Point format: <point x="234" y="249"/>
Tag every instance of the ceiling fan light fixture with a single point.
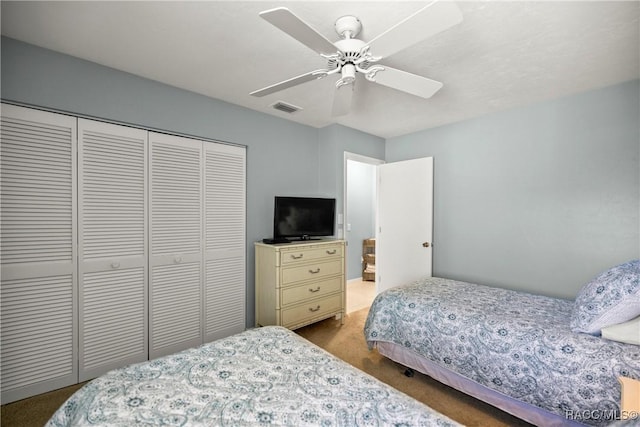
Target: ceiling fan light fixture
<point x="348" y="73"/>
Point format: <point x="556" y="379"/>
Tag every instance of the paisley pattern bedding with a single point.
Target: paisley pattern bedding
<point x="264" y="376"/>
<point x="516" y="343"/>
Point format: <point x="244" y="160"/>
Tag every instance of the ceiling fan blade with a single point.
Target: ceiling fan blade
<point x="294" y="81"/>
<point x="286" y="21"/>
<point x="342" y="100"/>
<point x="406" y="82"/>
<point x="437" y="16"/>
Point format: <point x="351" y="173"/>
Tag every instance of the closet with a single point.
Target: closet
<point x="118" y="245"/>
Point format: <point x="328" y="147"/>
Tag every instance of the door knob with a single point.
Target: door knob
<point x="425" y="244"/>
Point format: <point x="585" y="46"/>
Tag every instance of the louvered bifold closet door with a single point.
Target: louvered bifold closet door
<point x="176" y="244"/>
<point x="112" y="246"/>
<point x="38" y="252"/>
<point x="225" y="237"/>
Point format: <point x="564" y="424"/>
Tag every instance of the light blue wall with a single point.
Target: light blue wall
<point x="540" y="198"/>
<point x="282" y="156"/>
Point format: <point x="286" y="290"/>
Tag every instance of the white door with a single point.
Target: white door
<point x="175" y="262"/>
<point x="224" y="240"/>
<point x="404" y="222"/>
<point x="112" y="248"/>
<point x="37" y="240"/>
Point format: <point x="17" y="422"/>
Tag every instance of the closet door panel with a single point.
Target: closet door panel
<point x="38" y="264"/>
<point x="175" y="195"/>
<point x="176" y="244"/>
<point x="176" y="305"/>
<point x="225" y="240"/>
<point x="225" y="298"/>
<point x="112" y="247"/>
<point x="114" y="321"/>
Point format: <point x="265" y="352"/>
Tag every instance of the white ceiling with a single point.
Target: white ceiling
<point x="503" y="55"/>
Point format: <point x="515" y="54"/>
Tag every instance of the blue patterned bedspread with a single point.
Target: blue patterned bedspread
<point x="515" y="343"/>
<point x="264" y="376"/>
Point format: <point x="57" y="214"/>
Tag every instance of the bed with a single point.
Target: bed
<point x="517" y="351"/>
<point x="263" y="376"/>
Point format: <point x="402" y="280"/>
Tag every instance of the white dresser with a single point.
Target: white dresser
<point x="299" y="283"/>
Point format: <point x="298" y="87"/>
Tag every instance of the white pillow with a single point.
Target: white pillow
<point x="628" y="332"/>
<point x="611" y="298"/>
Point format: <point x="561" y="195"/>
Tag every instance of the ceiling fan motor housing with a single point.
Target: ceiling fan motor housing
<point x="351" y="53"/>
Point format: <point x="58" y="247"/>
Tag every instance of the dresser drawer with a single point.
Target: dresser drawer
<point x="300" y="255"/>
<point x="312" y="271"/>
<point x="297" y="294"/>
<point x="311" y="309"/>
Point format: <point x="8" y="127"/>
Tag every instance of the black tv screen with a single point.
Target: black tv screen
<point x="303" y="217"/>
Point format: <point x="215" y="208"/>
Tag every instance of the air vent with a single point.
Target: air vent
<point x="287" y="108"/>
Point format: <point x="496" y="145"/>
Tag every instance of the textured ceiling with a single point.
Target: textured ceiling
<point x="503" y="54"/>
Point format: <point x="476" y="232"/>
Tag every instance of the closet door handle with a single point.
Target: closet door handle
<point x="314" y="309"/>
<point x="314" y="290"/>
<point x="317" y="270"/>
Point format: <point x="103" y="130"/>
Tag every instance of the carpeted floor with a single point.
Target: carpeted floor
<point x="348" y="343"/>
<point x="360" y="294"/>
<point x="345" y="341"/>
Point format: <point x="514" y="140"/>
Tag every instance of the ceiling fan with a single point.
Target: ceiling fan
<point x="350" y="56"/>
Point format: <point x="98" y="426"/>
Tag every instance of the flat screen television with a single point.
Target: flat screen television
<point x="303" y="218"/>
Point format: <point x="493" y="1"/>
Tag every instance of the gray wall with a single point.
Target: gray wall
<point x="282" y="156"/>
<point x="334" y="140"/>
<point x="360" y="212"/>
<point x="540" y="198"/>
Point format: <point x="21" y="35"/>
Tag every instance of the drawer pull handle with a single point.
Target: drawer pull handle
<point x="297" y="256"/>
<point x="332" y="252"/>
<point x="177" y="260"/>
<point x="115" y="265"/>
<point x="314" y="290"/>
<point x="314" y="309"/>
<point x="317" y="270"/>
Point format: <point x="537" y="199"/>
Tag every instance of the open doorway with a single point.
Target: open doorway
<point x="359" y="225"/>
